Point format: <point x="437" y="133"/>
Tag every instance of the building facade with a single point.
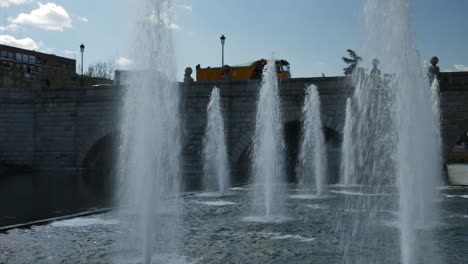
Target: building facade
<point x="21" y="68"/>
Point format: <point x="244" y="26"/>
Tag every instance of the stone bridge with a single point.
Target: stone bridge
<point x="57" y="146"/>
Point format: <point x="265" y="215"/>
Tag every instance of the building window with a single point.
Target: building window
<point x="25" y="58"/>
<point x="11" y="55"/>
<point x="32" y="59"/>
<point x="19" y="56"/>
<point x="4" y="54"/>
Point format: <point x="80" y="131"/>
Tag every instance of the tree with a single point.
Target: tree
<point x="351" y="62"/>
<point x="101" y="69"/>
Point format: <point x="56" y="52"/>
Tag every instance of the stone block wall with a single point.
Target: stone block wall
<point x="17" y="126"/>
<point x="454" y="107"/>
<point x="239" y="110"/>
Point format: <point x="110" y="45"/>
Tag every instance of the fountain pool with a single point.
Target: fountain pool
<point x="216" y="233"/>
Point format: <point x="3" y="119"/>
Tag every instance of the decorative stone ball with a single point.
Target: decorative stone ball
<point x="375" y="62"/>
<point x="226" y="68"/>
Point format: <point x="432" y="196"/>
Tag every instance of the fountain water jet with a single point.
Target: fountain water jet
<point x="268" y="150"/>
<point x="313" y="146"/>
<point x="436" y="100"/>
<point x="397" y="140"/>
<point x="418" y="149"/>
<point x="347" y="153"/>
<point x="215" y="161"/>
<point x="150" y="153"/>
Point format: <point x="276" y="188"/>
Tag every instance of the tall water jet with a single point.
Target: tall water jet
<point x="418" y="149"/>
<point x="435" y="92"/>
<point x="397" y="140"/>
<point x="436" y="101"/>
<point x="347" y="149"/>
<point x="268" y="150"/>
<point x="215" y="161"/>
<point x="150" y="156"/>
<point x="313" y="153"/>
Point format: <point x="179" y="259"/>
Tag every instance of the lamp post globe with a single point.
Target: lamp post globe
<point x="223" y="39"/>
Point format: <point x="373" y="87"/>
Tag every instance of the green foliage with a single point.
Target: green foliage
<point x="352" y="62"/>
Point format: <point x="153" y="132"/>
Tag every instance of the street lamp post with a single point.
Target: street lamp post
<point x="82" y="47"/>
<point x="223" y="39"/>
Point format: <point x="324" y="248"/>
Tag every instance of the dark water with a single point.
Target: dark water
<point x="26" y="197"/>
<point x="218" y="233"/>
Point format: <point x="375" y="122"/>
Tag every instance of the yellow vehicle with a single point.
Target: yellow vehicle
<point x="248" y="71"/>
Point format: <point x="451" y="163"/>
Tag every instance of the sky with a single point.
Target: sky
<point x="312" y="35"/>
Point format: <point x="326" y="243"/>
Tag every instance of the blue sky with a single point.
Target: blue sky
<point x="312" y="35"/>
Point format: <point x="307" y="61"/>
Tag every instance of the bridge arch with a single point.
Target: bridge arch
<point x="329" y="122"/>
<point x="292" y="125"/>
<point x="89" y="140"/>
<point x="99" y="170"/>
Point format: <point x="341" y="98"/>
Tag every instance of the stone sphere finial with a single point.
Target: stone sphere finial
<point x="433" y="70"/>
<point x="375" y="62"/>
<point x="187" y="77"/>
<point x="225" y="75"/>
<point x="226" y="68"/>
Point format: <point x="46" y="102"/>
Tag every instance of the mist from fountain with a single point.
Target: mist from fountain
<point x="397" y="142"/>
<point x="347" y="149"/>
<point x="268" y="151"/>
<point x="312" y="162"/>
<point x="215" y="160"/>
<point x="150" y="151"/>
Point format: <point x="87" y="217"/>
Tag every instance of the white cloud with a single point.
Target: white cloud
<point x="69" y="52"/>
<point x="173" y="26"/>
<point x="9" y="28"/>
<point x="460" y="67"/>
<point x="187" y="7"/>
<point x="7" y="3"/>
<point x="83" y="19"/>
<point x="24" y="43"/>
<point x="123" y="62"/>
<point x="48" y="16"/>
